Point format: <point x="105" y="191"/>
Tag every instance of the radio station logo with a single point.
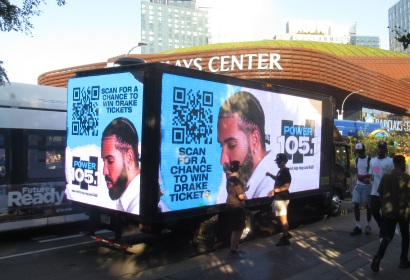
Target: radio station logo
<point x="85" y="173"/>
<point x="298" y="141"/>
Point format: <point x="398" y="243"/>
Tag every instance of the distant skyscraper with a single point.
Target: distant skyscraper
<point x="399" y="16"/>
<point x="228" y="21"/>
<point x="325" y="31"/>
<point x="167" y="24"/>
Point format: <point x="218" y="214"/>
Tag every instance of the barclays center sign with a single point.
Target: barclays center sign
<point x="225" y="63"/>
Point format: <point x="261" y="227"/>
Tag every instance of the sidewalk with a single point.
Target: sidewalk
<point x="323" y="250"/>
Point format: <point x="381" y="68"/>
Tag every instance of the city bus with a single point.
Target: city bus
<point x="32" y="157"/>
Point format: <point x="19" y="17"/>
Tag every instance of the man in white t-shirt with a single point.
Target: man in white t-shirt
<point x="378" y="166"/>
<point x="362" y="190"/>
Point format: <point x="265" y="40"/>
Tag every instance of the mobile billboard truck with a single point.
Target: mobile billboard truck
<point x="151" y="143"/>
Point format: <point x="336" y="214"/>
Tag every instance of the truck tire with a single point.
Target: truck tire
<point x="249" y="225"/>
<point x="224" y="232"/>
<point x="335" y="203"/>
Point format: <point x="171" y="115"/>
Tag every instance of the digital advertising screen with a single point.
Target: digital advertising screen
<point x="104" y="121"/>
<point x="205" y="125"/>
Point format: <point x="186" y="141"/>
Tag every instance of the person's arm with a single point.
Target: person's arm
<point x="371" y="171"/>
<point x="271" y="175"/>
<point x="362" y="178"/>
<point x="283" y="188"/>
<point x="239" y="190"/>
<point x="242" y="196"/>
<point x="380" y="190"/>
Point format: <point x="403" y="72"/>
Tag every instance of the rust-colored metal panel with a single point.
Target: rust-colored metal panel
<point x="384" y="80"/>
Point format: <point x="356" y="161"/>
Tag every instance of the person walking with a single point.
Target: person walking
<point x="378" y="166"/>
<point x="394" y="190"/>
<point x="281" y="196"/>
<point x="362" y="190"/>
<point x="235" y="208"/>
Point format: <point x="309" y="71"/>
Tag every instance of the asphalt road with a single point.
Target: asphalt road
<point x="62" y="253"/>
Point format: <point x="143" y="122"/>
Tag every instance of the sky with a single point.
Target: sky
<point x="85" y="31"/>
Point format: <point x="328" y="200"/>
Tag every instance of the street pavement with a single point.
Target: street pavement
<point x="323" y="250"/>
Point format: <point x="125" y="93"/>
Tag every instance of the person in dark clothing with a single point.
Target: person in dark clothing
<point x="394" y="190"/>
<point x="281" y="196"/>
<point x="235" y="207"/>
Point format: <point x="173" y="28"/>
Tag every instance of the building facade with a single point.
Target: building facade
<point x="325" y="31"/>
<point x="399" y="16"/>
<point x="167" y="25"/>
<point x="367" y="41"/>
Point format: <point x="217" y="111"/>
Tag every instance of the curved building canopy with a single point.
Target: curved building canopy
<point x="326" y="68"/>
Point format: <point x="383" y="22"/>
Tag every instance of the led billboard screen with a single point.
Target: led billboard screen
<point x="104" y="120"/>
<point x="205" y="125"/>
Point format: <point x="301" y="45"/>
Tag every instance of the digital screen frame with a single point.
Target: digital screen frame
<point x="205" y="125"/>
<point x="104" y="130"/>
<point x="161" y="147"/>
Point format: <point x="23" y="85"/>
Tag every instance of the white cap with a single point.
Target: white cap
<point x="359" y="146"/>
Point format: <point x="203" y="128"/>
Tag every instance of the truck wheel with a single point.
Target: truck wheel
<point x="249" y="224"/>
<point x="335" y="203"/>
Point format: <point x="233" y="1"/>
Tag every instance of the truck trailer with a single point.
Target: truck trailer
<point x="150" y="144"/>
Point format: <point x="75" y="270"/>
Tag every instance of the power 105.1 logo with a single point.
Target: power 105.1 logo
<point x="85" y="173"/>
<point x="298" y="141"/>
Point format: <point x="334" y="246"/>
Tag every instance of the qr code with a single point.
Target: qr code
<point x="192" y="116"/>
<point x="85" y="111"/>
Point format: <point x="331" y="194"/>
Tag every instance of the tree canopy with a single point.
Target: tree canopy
<point x="17" y="18"/>
<point x="402" y="35"/>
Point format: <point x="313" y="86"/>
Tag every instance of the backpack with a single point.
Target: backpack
<point x="368" y="162"/>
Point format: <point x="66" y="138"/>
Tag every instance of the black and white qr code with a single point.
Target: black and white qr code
<point x="192" y="116"/>
<point x="85" y="111"/>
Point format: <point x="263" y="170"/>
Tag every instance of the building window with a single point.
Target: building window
<point x="151" y="7"/>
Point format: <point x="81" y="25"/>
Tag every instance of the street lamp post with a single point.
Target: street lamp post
<point x="130" y="60"/>
<point x="340" y="116"/>
<point x="139" y="45"/>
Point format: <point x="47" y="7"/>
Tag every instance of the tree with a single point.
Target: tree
<point x="402" y="35"/>
<point x="15" y="18"/>
<point x="3" y="75"/>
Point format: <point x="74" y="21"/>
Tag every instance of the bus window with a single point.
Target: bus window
<point x="46" y="156"/>
<point x="2" y="158"/>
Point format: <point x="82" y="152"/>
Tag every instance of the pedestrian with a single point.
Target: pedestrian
<point x="394" y="190"/>
<point x="362" y="190"/>
<point x="281" y="197"/>
<point x="235" y="208"/>
<point x="378" y="166"/>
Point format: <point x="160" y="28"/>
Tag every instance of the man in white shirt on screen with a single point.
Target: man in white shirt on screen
<point x="119" y="151"/>
<point x="241" y="133"/>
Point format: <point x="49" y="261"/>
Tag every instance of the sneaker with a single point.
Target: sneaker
<point x="404" y="264"/>
<point x="367" y="230"/>
<point x="235" y="255"/>
<point x="240" y="251"/>
<point x="284" y="241"/>
<point x="376" y="263"/>
<point x="356" y="231"/>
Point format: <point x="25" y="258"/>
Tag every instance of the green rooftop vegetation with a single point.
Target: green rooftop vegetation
<point x="333" y="48"/>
